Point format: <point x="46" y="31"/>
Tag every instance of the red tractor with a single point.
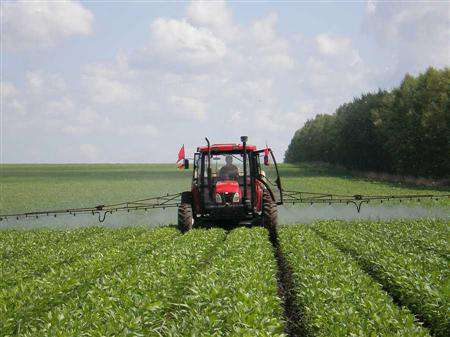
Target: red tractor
<point x="229" y="187"/>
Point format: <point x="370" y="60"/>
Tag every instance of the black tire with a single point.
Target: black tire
<point x="270" y="213"/>
<point x="186" y="197"/>
<point x="185" y="218"/>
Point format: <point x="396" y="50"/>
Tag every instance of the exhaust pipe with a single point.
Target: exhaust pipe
<point x="244" y="145"/>
<point x="209" y="172"/>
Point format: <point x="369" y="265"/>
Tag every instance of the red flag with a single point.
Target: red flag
<point x="266" y="151"/>
<point x="181" y="156"/>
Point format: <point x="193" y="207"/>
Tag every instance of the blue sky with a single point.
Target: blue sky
<point x="132" y="81"/>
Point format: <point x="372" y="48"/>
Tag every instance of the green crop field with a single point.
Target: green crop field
<point x="325" y="278"/>
<point x="349" y="279"/>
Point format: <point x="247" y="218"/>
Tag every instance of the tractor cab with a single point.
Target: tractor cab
<point x="231" y="185"/>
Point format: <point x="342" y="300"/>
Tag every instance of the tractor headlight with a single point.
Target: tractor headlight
<point x="236" y="197"/>
<point x="218" y="198"/>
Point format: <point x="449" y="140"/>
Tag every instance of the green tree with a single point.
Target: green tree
<point x="404" y="131"/>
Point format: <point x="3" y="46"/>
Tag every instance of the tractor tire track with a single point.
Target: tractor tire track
<point x="292" y="311"/>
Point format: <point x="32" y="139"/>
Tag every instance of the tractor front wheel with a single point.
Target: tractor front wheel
<point x="185" y="218"/>
<point x="270" y="214"/>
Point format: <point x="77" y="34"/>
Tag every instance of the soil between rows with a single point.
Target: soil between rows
<point x="292" y="312"/>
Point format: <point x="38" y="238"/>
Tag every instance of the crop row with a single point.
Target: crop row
<point x="414" y="276"/>
<point x="135" y="281"/>
<point x="50" y="256"/>
<point x="155" y="283"/>
<point x="422" y="236"/>
<point x="400" y="238"/>
<point x="336" y="297"/>
<point x="25" y="304"/>
<point x="134" y="299"/>
<point x="19" y="244"/>
<point x="235" y="295"/>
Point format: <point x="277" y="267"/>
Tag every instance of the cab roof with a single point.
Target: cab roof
<point x="226" y="147"/>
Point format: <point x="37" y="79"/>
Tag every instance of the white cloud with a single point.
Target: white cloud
<point x="337" y="47"/>
<point x="43" y="94"/>
<point x="263" y="30"/>
<point x="86" y="121"/>
<point x="108" y="91"/>
<point x="335" y="71"/>
<point x="61" y="106"/>
<point x="248" y="92"/>
<point x="189" y="107"/>
<point x="50" y="106"/>
<point x="337" y="80"/>
<point x="214" y="15"/>
<point x="272" y="50"/>
<point x="107" y="84"/>
<point x="280" y="61"/>
<point x="329" y="45"/>
<point x="38" y="24"/>
<point x="43" y="83"/>
<point x="182" y="41"/>
<point x="371" y="6"/>
<point x="415" y="35"/>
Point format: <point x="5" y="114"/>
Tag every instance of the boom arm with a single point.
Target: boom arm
<point x="168" y="200"/>
<point x="300" y="197"/>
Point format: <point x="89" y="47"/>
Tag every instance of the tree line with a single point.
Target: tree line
<point x="403" y="131"/>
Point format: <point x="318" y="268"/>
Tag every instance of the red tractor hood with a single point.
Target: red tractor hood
<point x="228" y="186"/>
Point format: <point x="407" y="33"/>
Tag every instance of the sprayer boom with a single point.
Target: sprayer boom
<point x="299" y="197"/>
<point x="168" y="200"/>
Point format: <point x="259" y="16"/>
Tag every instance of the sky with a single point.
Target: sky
<point x="99" y="81"/>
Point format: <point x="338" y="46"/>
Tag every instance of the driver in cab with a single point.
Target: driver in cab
<point x="229" y="171"/>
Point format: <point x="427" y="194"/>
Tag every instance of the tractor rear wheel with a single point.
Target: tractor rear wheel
<point x="185" y="218"/>
<point x="270" y="214"/>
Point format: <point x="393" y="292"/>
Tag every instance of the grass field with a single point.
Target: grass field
<point x="327" y="278"/>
